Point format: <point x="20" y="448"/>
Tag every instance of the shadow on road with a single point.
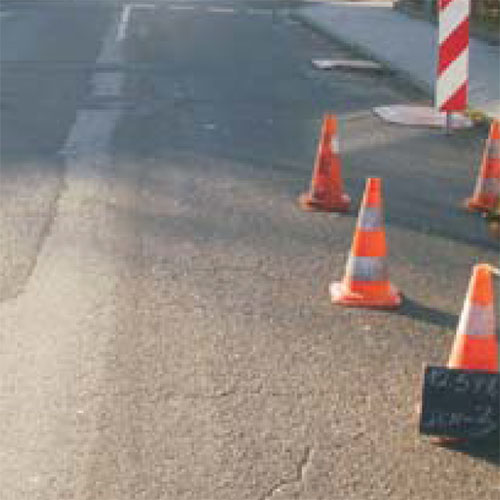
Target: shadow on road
<point x="487" y="450"/>
<point x="418" y="311"/>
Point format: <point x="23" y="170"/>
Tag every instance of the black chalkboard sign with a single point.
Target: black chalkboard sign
<point x="460" y="403"/>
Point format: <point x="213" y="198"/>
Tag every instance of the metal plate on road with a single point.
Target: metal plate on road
<point x="421" y="116"/>
<point x="346" y="64"/>
<point x="460" y="403"/>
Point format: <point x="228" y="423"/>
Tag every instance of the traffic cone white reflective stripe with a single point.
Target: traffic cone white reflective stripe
<point x="477" y="320"/>
<point x="488" y="185"/>
<point x="335" y="143"/>
<point x="370" y="218"/>
<point x="493" y="149"/>
<point x="367" y="268"/>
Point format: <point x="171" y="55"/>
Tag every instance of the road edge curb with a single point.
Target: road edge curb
<point x="297" y="14"/>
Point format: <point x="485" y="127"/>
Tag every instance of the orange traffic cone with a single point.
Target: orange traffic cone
<point x="366" y="282"/>
<point x="326" y="191"/>
<point x="476" y="343"/>
<point x="486" y="194"/>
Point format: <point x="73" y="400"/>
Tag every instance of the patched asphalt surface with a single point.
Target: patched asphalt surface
<point x="167" y="331"/>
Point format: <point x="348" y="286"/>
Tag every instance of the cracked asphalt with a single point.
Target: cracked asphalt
<point x="165" y="326"/>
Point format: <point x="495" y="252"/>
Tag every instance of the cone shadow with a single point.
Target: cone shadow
<point x="420" y="312"/>
<point x="485" y="449"/>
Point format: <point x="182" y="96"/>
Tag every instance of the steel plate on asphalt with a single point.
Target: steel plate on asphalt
<point x="345" y="64"/>
<point x="421" y="116"/>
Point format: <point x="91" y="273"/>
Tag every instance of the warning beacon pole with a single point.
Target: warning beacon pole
<point x="453" y="58"/>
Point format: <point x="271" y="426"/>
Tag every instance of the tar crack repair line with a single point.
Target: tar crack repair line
<point x="300" y="473"/>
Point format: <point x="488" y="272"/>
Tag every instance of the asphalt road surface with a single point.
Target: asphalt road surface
<point x="165" y="326"/>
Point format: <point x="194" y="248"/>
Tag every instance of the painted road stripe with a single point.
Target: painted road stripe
<point x="5" y="15"/>
<point x="260" y="12"/>
<point x="92" y="131"/>
<point x="365" y="4"/>
<point x="107" y="84"/>
<point x="110" y="83"/>
<point x="221" y="10"/>
<point x="181" y="7"/>
<point x="90" y="136"/>
<point x="125" y="18"/>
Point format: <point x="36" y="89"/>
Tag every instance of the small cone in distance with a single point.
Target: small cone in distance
<point x="486" y="194"/>
<point x="476" y="344"/>
<point x="326" y="191"/>
<point x="366" y="282"/>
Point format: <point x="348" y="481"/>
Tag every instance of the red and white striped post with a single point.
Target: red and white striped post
<point x="453" y="58"/>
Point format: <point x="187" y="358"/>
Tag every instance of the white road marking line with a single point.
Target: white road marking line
<point x="181" y="7"/>
<point x="125" y="18"/>
<point x="259" y="12"/>
<point x="92" y="131"/>
<point x="89" y="139"/>
<point x="367" y="4"/>
<point x="111" y="51"/>
<point x="221" y="10"/>
<point x="107" y="84"/>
